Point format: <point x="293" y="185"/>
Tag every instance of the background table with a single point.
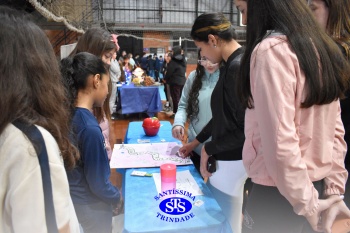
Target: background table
<point x="139" y="192"/>
<point x="140" y="99"/>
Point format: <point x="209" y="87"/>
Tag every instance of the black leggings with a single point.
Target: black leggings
<point x="267" y="211"/>
<point x="175" y="92"/>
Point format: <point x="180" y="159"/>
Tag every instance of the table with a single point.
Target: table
<point x="135" y="131"/>
<point x="141" y="207"/>
<point x="140" y="99"/>
<point x="142" y="213"/>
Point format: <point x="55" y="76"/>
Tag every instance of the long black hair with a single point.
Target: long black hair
<point x="338" y="24"/>
<point x="76" y="70"/>
<point x="192" y="108"/>
<point x="313" y="48"/>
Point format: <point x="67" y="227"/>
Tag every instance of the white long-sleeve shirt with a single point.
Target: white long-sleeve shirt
<point x="21" y="194"/>
<point x="115" y="71"/>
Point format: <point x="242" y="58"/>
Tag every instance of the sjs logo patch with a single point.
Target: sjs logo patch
<point x="175" y="206"/>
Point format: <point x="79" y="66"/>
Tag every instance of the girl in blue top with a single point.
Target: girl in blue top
<point x="194" y="106"/>
<point x="86" y="78"/>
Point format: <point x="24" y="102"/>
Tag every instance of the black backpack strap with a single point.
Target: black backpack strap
<point x="36" y="138"/>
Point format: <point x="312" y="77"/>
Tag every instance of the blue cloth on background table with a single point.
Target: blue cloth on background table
<point x="140" y="99"/>
<point x="141" y="207"/>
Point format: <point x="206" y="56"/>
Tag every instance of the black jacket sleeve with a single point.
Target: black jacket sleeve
<point x="205" y="132"/>
<point x="233" y="120"/>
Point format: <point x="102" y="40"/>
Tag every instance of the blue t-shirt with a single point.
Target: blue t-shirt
<point x="89" y="180"/>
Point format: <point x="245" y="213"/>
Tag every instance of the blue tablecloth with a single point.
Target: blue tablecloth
<point x="141" y="208"/>
<point x="135" y="131"/>
<point x="140" y="99"/>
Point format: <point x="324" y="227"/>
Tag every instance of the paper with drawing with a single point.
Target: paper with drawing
<point x="146" y="155"/>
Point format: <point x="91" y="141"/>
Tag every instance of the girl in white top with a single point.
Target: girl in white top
<point x="32" y="92"/>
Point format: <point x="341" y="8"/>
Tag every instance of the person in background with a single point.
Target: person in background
<point x="115" y="74"/>
<point x="32" y="93"/>
<point x="86" y="78"/>
<point x="334" y="18"/>
<point x="169" y="102"/>
<point x="156" y="67"/>
<point x="151" y="66"/>
<point x="137" y="60"/>
<point x="160" y="67"/>
<point x="127" y="68"/>
<point x="194" y="106"/>
<point x="122" y="55"/>
<point x="131" y="61"/>
<point x="144" y="62"/>
<point x="214" y="35"/>
<point x="102" y="44"/>
<point x="291" y="78"/>
<point x="175" y="76"/>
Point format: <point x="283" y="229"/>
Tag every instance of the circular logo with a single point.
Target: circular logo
<point x="175" y="206"/>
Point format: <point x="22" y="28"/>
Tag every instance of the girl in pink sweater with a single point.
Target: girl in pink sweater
<point x="292" y="76"/>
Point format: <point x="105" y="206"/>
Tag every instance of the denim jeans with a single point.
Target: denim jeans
<point x="151" y="73"/>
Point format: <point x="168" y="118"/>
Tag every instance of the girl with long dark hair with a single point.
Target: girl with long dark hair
<point x="334" y="17"/>
<point x="291" y="78"/>
<point x="214" y="35"/>
<point x="86" y="78"/>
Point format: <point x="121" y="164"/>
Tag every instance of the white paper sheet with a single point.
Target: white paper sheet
<point x="146" y="155"/>
<point x="184" y="181"/>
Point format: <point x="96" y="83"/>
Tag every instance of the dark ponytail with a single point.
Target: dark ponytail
<point x="192" y="108"/>
<point x="76" y="71"/>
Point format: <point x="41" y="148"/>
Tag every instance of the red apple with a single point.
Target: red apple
<point x="151" y="126"/>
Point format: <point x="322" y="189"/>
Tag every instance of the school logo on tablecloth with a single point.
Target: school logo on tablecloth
<point x="175" y="205"/>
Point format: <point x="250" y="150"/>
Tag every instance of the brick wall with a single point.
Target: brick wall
<point x="157" y="44"/>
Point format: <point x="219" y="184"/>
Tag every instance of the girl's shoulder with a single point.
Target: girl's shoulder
<point x="192" y="75"/>
<point x="274" y="43"/>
